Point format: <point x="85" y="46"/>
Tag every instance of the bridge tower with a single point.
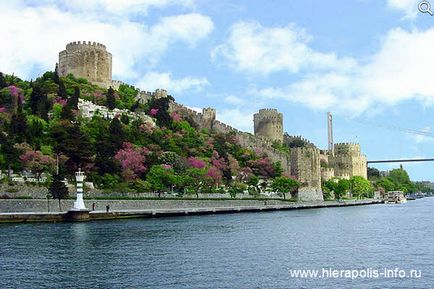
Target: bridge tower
<point x="330" y="133"/>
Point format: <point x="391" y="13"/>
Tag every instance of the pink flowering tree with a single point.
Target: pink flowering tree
<point x="147" y="127"/>
<point x="217" y="161"/>
<point x="16" y="93"/>
<point x="196" y="163"/>
<point x="10" y="97"/>
<point x="176" y="117"/>
<point x="153" y="112"/>
<point x="132" y="161"/>
<point x="37" y="163"/>
<point x="99" y="98"/>
<point x="61" y="101"/>
<point x="215" y="176"/>
<point x="233" y="165"/>
<point x="263" y="167"/>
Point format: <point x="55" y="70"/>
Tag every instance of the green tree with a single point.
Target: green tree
<point x="58" y="189"/>
<point x="285" y="185"/>
<point x="7" y="100"/>
<point x="125" y="119"/>
<point x="61" y="92"/>
<point x="66" y="113"/>
<point x="236" y="188"/>
<point x="116" y="134"/>
<point x="111" y="100"/>
<point x="72" y="142"/>
<point x="386" y="184"/>
<point x="360" y="187"/>
<point x="56" y="77"/>
<point x="161" y="179"/>
<point x="3" y="83"/>
<point x="159" y="108"/>
<point x="73" y="101"/>
<point x="328" y="187"/>
<point x="10" y="154"/>
<point x="253" y="185"/>
<point x="373" y="173"/>
<point x="127" y="95"/>
<point x="38" y="163"/>
<point x="38" y="102"/>
<point x="399" y="176"/>
<point x="18" y="127"/>
<point x="194" y="180"/>
<point x="342" y="187"/>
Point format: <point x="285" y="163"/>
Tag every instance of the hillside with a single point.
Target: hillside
<point x="40" y="121"/>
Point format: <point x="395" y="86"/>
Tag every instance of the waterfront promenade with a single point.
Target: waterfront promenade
<point x="218" y="208"/>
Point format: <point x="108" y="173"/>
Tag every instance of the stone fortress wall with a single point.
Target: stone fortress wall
<point x="269" y="123"/>
<point x="297" y="139"/>
<point x="302" y="163"/>
<point x="92" y="61"/>
<point x="305" y="165"/>
<point x="305" y="159"/>
<point x="348" y="161"/>
<point x="207" y="120"/>
<point x="88" y="60"/>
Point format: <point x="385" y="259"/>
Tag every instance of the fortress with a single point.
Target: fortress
<point x="88" y="60"/>
<point x="268" y="123"/>
<point x="305" y="161"/>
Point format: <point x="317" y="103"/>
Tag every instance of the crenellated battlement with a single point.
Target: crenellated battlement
<point x="288" y="139"/>
<point x="269" y="114"/>
<point x="268" y="122"/>
<point x="347" y="148"/>
<point x="89" y="60"/>
<point x="81" y="44"/>
<point x="348" y="160"/>
<point x="347" y="144"/>
<point x="304" y="150"/>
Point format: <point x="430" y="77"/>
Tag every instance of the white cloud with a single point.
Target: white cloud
<point x="253" y="48"/>
<point x="154" y="80"/>
<point x="196" y="109"/>
<point x="409" y="7"/>
<point x="400" y="70"/>
<point x="240" y="119"/>
<point x="114" y="7"/>
<point x="234" y="100"/>
<point x="32" y="36"/>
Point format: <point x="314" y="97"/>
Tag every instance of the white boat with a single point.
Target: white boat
<point x="396" y="197"/>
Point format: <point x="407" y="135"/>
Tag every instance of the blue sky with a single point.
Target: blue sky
<point x="369" y="62"/>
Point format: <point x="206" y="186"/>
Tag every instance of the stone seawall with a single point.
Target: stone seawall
<point x="40" y="192"/>
<point x="13" y="205"/>
<point x="168" y="212"/>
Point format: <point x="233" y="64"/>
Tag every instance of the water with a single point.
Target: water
<point x="251" y="250"/>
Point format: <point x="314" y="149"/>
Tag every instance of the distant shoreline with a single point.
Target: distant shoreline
<point x="190" y="208"/>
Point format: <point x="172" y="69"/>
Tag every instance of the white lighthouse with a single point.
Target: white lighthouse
<point x="79" y="203"/>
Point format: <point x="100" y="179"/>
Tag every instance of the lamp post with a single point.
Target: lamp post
<point x="79" y="203"/>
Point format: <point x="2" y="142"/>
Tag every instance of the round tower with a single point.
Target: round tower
<point x="269" y="123"/>
<point x="347" y="149"/>
<point x="88" y="60"/>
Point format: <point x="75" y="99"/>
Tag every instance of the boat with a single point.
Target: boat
<point x="396" y="197"/>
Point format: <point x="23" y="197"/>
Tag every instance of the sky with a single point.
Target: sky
<point x="369" y="62"/>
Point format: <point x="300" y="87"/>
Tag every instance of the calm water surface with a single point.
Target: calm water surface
<point x="252" y="250"/>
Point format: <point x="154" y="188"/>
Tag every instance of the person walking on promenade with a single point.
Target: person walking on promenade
<point x="107" y="208"/>
<point x="93" y="206"/>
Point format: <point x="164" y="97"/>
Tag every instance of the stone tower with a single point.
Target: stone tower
<point x="269" y="123"/>
<point x="348" y="160"/>
<point x="88" y="60"/>
<point x="208" y="117"/>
